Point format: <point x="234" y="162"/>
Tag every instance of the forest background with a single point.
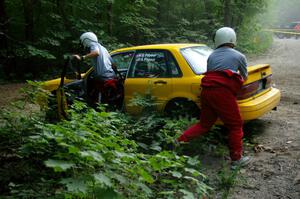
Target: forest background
<point x="35" y="34"/>
<point x="112" y="154"/>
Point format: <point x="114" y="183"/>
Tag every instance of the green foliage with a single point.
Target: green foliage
<point x="95" y="153"/>
<point x="34" y="93"/>
<point x="252" y="39"/>
<point x="38" y="33"/>
<point x="227" y="179"/>
<point x="30" y="51"/>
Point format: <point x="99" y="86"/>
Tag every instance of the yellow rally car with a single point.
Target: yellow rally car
<point x="172" y="74"/>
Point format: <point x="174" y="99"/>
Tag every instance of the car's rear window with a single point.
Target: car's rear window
<point x="197" y="57"/>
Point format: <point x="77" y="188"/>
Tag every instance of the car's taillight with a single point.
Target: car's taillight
<point x="268" y="81"/>
<point x="248" y="90"/>
<point x="254" y="88"/>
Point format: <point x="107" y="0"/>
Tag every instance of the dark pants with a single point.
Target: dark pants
<point x="98" y="86"/>
<point x="219" y="103"/>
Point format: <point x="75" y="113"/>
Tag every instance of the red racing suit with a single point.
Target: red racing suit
<point x="218" y="100"/>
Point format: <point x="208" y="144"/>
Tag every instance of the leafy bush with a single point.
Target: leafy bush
<point x="95" y="153"/>
<point x="253" y="39"/>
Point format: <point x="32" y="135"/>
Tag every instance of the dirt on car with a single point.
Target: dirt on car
<point x="275" y="169"/>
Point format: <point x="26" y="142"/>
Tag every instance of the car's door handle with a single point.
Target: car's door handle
<point x="160" y="82"/>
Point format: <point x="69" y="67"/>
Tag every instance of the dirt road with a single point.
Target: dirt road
<point x="275" y="171"/>
<point x="9" y="93"/>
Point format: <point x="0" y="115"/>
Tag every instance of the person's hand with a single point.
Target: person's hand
<point x="77" y="57"/>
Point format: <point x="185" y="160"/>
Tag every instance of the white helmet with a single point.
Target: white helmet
<point x="225" y="35"/>
<point x="87" y="38"/>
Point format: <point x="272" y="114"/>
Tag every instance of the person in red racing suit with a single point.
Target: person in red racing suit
<point x="218" y="97"/>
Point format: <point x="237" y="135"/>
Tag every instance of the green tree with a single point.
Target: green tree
<point x="35" y="34"/>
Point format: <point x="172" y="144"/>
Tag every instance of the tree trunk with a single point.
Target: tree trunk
<point x="183" y="9"/>
<point x="110" y="18"/>
<point x="209" y="15"/>
<point x="28" y="8"/>
<point x="58" y="4"/>
<point x="227" y="13"/>
<point x="158" y="15"/>
<point x="168" y="11"/>
<point x="3" y="26"/>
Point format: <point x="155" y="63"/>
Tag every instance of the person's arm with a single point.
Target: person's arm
<point x="94" y="53"/>
<point x="243" y="68"/>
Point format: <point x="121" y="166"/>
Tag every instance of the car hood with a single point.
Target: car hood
<point x="53" y="84"/>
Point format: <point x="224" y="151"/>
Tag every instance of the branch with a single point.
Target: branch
<point x="12" y="39"/>
<point x="6" y="22"/>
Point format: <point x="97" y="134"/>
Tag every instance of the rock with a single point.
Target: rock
<point x="269" y="149"/>
<point x="297" y="179"/>
<point x="258" y="148"/>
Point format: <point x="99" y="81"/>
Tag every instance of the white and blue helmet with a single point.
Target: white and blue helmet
<point x="87" y="38"/>
<point x="225" y="35"/>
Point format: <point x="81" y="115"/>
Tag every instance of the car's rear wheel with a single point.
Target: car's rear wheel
<point x="182" y="108"/>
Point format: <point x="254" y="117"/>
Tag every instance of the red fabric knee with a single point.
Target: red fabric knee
<point x="207" y="118"/>
<point x="228" y="111"/>
<point x="235" y="143"/>
<point x="194" y="131"/>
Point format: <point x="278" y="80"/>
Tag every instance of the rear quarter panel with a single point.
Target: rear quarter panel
<point x="187" y="86"/>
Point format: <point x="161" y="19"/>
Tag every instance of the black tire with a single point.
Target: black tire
<point x="182" y="108"/>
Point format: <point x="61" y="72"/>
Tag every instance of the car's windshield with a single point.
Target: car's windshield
<point x="196" y="57"/>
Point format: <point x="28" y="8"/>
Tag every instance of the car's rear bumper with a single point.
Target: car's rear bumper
<point x="258" y="106"/>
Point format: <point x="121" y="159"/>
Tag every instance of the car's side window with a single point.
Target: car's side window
<point x="174" y="70"/>
<point x="123" y="60"/>
<point x="151" y="64"/>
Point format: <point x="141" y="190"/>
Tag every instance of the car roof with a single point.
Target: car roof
<point x="159" y="46"/>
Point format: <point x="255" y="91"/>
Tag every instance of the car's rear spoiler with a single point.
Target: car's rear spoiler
<point x="258" y="67"/>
